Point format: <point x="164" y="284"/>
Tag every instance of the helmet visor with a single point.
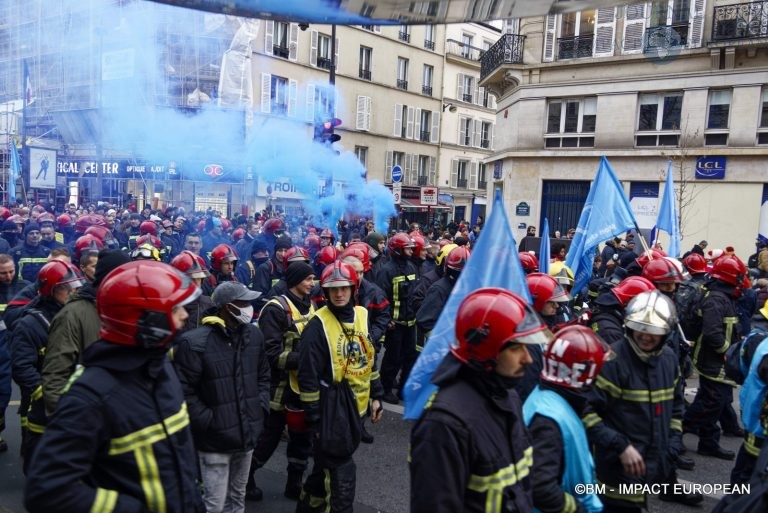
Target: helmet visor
<point x="531" y="330"/>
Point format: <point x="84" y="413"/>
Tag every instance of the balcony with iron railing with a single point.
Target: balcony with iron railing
<point x="426" y="90"/>
<point x="576" y="47"/>
<point x="402" y="84"/>
<point x="404" y="36"/>
<point x="429" y="44"/>
<point x="461" y="183"/>
<point x="482" y="185"/>
<point x="463" y="50"/>
<point x="425" y="135"/>
<point x="660" y="38"/>
<point x="740" y="21"/>
<point x="365" y="74"/>
<point x="280" y="51"/>
<point x="324" y="62"/>
<point x="507" y="50"/>
<point x="423" y="180"/>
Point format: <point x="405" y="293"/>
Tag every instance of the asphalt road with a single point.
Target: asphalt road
<point x="383" y="482"/>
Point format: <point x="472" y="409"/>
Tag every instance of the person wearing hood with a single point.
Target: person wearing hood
<point x="257" y="255"/>
<point x="282" y="320"/>
<point x="636" y="409"/>
<point x="9" y="237"/>
<point x="30" y="256"/>
<point x="215" y="235"/>
<point x="56" y="282"/>
<point x="271" y="271"/>
<point x="561" y="453"/>
<point x="97" y="452"/>
<point x="73" y="329"/>
<point x="376" y="243"/>
<point x="470" y="448"/>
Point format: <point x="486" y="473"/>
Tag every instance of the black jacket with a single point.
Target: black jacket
<point x="370" y="296"/>
<point x="431" y="307"/>
<point x="470" y="444"/>
<point x="719" y="330"/>
<point x="267" y="276"/>
<point x="425" y="281"/>
<point x="95" y="448"/>
<point x="608" y="318"/>
<point x="397" y="278"/>
<point x="29" y="260"/>
<point x="225" y="378"/>
<point x="197" y="311"/>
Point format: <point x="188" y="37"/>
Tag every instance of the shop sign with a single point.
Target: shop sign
<point x="429" y="196"/>
<point x="285" y="188"/>
<point x="710" y="168"/>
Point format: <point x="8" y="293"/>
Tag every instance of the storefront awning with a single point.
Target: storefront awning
<point x="414" y="205"/>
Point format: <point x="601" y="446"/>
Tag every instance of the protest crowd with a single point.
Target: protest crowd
<point x="162" y="356"/>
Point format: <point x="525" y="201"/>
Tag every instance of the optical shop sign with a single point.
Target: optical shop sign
<point x="116" y="169"/>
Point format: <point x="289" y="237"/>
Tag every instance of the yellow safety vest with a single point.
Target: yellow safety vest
<point x="351" y="352"/>
<point x="291" y="338"/>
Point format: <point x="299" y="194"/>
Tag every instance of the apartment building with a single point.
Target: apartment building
<point x="684" y="80"/>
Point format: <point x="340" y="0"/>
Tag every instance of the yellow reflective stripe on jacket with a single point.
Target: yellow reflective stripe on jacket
<point x="37" y="393"/>
<point x="493" y="485"/>
<point x="570" y="504"/>
<point x="753" y="444"/>
<point x="140" y="443"/>
<point x="35" y="428"/>
<point x="30" y="260"/>
<point x="290" y="337"/>
<point x="396" y="281"/>
<point x="642" y="396"/>
<point x="590" y="419"/>
<point x="309" y="397"/>
<point x="729" y="322"/>
<point x="676" y="425"/>
<point x="105" y="501"/>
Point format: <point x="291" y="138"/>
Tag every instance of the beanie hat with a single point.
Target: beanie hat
<point x="283" y="243"/>
<point x="9" y="226"/>
<point x="374" y="238"/>
<point x="31" y="227"/>
<point x="259" y="246"/>
<point x="297" y="272"/>
<point x="109" y="260"/>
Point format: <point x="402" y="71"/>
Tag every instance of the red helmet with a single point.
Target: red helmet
<point x="201" y="226"/>
<point x="55" y="273"/>
<point x="83" y="222"/>
<point x="101" y="232"/>
<point x="5" y="213"/>
<point x="630" y="287"/>
<point x="150" y="239"/>
<point x="695" y="263"/>
<point x="272" y="226"/>
<point x="529" y="261"/>
<point x="644" y="259"/>
<point x="312" y="243"/>
<point x="190" y="264"/>
<point x="543" y="288"/>
<point x="398" y="242"/>
<point x="64" y="220"/>
<point x="357" y="252"/>
<point x="312" y="230"/>
<point x="222" y="253"/>
<point x="328" y="234"/>
<point x="294" y="254"/>
<point x="238" y="234"/>
<point x="730" y="269"/>
<point x="419" y="243"/>
<point x="444" y="242"/>
<point x="326" y="256"/>
<point x="226" y="224"/>
<point x="490" y="318"/>
<point x="457" y="258"/>
<point x="574" y="358"/>
<point x="339" y="274"/>
<point x="87" y="244"/>
<point x="46" y="217"/>
<point x="149" y="227"/>
<point x="661" y="270"/>
<point x="135" y="303"/>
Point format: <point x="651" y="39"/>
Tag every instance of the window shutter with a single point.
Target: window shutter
<point x="478" y="128"/>
<point x="417" y="125"/>
<point x="409" y="123"/>
<point x="360" y="118"/>
<point x="491" y="102"/>
<point x="550" y="29"/>
<point x="454" y="172"/>
<point x="408" y="169"/>
<point x="490" y="136"/>
<point x="476" y="91"/>
<point x="462" y="131"/>
<point x="293" y="45"/>
<point x="634" y="26"/>
<point x="336" y="55"/>
<point x="377" y="29"/>
<point x="696" y="31"/>
<point x="266" y="92"/>
<point x="473" y="175"/>
<point x="605" y="32"/>
<point x="310" y="113"/>
<point x="434" y="133"/>
<point x="460" y="86"/>
<point x="415" y="171"/>
<point x="368" y="109"/>
<point x="388" y="168"/>
<point x="432" y="177"/>
<point x="293" y="86"/>
<point x="313" y="49"/>
<point x="398" y="130"/>
<point x="269" y="37"/>
<point x="480" y="95"/>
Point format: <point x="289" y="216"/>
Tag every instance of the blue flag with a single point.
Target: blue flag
<point x="667" y="219"/>
<point x="483" y="269"/>
<point x="544" y="248"/>
<point x="606" y="214"/>
<point x="14" y="174"/>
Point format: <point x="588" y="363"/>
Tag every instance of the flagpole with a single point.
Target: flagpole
<point x="646" y="249"/>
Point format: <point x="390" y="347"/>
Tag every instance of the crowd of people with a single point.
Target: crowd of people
<point x="161" y="358"/>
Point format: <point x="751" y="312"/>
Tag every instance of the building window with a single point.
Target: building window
<point x="426" y="123"/>
<point x="423" y="177"/>
<point x="468" y="88"/>
<point x="659" y="119"/>
<point x="361" y="152"/>
<point x="281" y="40"/>
<point x="481" y="176"/>
<point x="323" y="51"/>
<point x="279" y="95"/>
<point x="571" y="123"/>
<point x="429" y="37"/>
<point x="426" y="87"/>
<point x="718" y="113"/>
<point x="404" y="129"/>
<point x="405" y="33"/>
<point x="466" y="46"/>
<point x="577" y="33"/>
<point x="486" y="131"/>
<point x="398" y="158"/>
<point x="459" y="174"/>
<point x="402" y="73"/>
<point x="668" y="23"/>
<point x="465" y="131"/>
<point x="366" y="56"/>
<point x="762" y="132"/>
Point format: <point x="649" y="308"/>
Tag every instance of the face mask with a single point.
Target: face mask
<point x="242" y="315"/>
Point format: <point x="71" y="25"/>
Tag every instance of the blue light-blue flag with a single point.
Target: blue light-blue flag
<point x="494" y="263"/>
<point x="668" y="220"/>
<point x="606" y="214"/>
<point x="14" y="174"/>
<point x="544" y="248"/>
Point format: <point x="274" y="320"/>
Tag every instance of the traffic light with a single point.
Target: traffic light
<point x="324" y="131"/>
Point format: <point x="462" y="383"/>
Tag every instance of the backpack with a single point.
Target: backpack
<point x="688" y="302"/>
<point x="738" y="357"/>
